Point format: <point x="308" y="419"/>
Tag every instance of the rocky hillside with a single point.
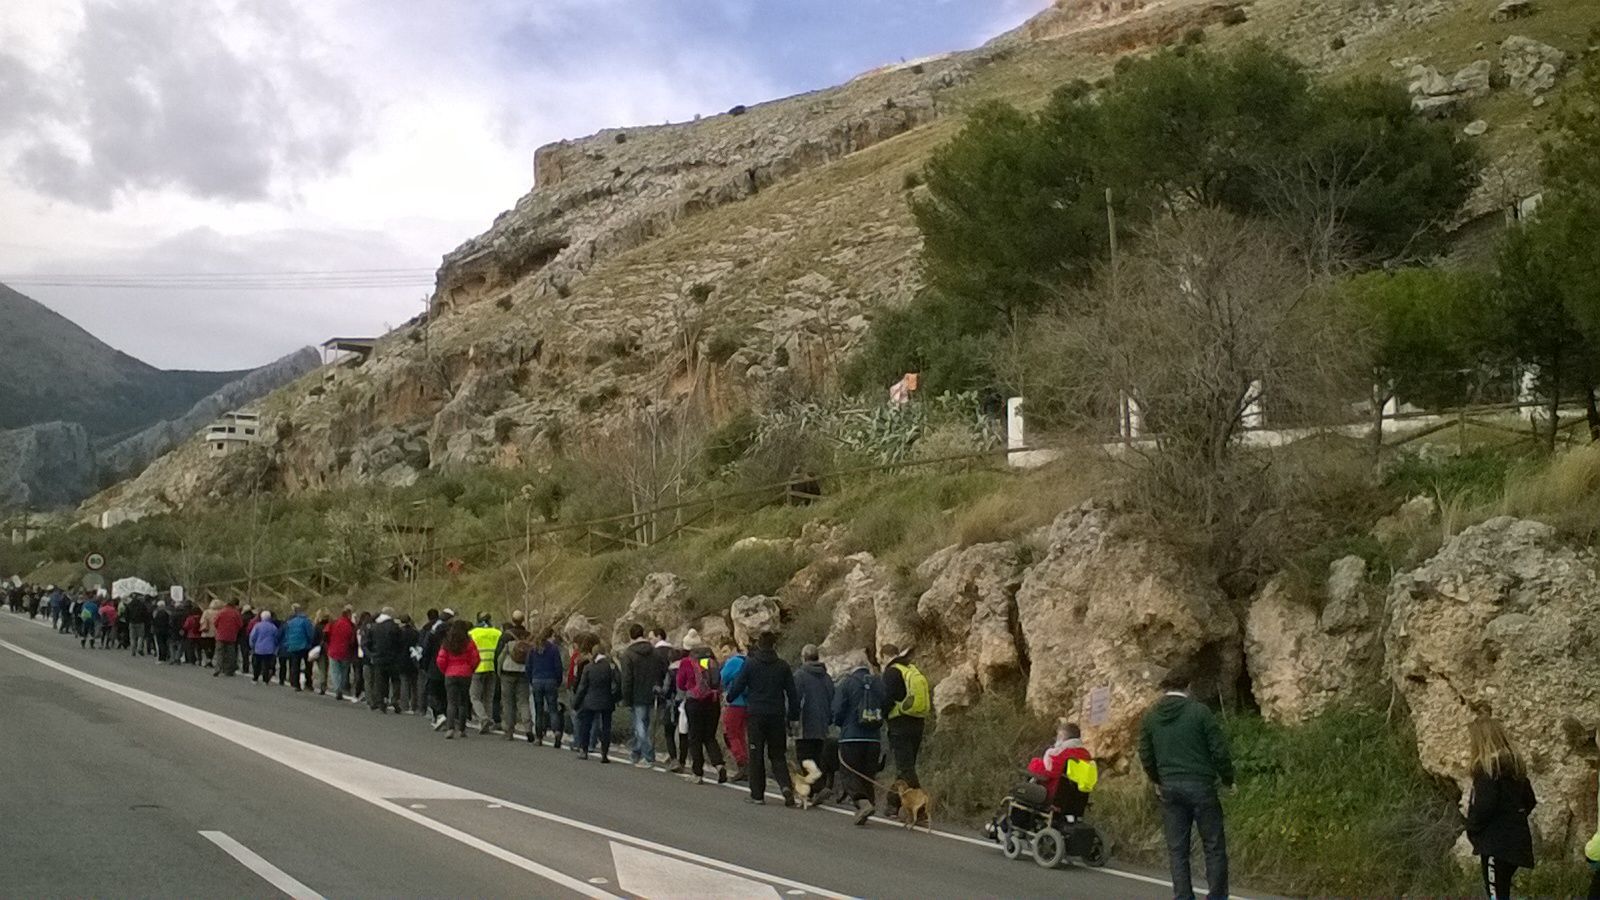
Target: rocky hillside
<point x="739" y="258"/>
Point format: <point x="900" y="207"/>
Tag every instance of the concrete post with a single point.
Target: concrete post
<point x="1016" y="429"/>
<point x="1254" y="416"/>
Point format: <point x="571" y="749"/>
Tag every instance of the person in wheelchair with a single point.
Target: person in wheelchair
<point x="1049" y="806"/>
<point x="1067" y="771"/>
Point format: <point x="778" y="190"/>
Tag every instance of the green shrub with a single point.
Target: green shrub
<point x="911" y="181"/>
<point x="1475" y="476"/>
<point x="1195" y="35"/>
<point x="750" y="571"/>
<point x="722" y="346"/>
<point x="1235" y="16"/>
<point x="970" y="761"/>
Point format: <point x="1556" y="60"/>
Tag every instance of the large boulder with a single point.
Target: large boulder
<point x="868" y="613"/>
<point x="1531" y="66"/>
<point x="1302" y="661"/>
<point x="1106" y="612"/>
<point x="1504" y="621"/>
<point x="972" y="608"/>
<point x="663" y="601"/>
<point x="957" y="691"/>
<point x="752" y="616"/>
<point x="576" y="625"/>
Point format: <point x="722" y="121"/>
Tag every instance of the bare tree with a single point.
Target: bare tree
<point x="654" y="455"/>
<point x="1212" y="315"/>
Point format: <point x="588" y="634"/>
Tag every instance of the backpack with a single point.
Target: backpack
<point x="918" y="698"/>
<point x="870" y="712"/>
<point x="520" y="651"/>
<point x="707" y="679"/>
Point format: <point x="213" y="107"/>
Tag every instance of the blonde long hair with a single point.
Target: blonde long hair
<point x="1492" y="753"/>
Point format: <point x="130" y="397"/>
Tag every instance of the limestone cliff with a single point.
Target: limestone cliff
<point x="45" y="466"/>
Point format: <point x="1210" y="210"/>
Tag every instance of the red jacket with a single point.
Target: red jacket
<point x="1053" y="764"/>
<point x="342" y="639"/>
<point x="458" y="665"/>
<point x="191" y="626"/>
<point x="229" y="622"/>
<point x="108" y="615"/>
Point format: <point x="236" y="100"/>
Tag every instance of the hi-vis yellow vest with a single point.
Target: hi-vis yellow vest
<point x="487" y="639"/>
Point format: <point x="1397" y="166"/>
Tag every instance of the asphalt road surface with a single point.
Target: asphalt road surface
<point x="128" y="779"/>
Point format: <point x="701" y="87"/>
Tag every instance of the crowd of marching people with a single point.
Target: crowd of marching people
<point x="718" y="713"/>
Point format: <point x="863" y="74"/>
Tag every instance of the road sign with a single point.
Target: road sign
<point x="95" y="561"/>
<point x="93" y="582"/>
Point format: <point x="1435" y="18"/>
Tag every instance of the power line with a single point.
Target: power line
<point x="345" y="279"/>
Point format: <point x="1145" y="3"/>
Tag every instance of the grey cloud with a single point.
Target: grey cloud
<point x="162" y="95"/>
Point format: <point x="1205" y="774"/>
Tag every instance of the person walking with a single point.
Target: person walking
<point x="227" y="631"/>
<point x="910" y="700"/>
<point x="208" y="634"/>
<point x="456" y="661"/>
<point x="410" y="698"/>
<point x="666" y="711"/>
<point x="734" y="714"/>
<point x="815" y="689"/>
<point x="191" y="637"/>
<point x="860" y="706"/>
<point x="511" y="665"/>
<point x="486" y="637"/>
<point x="161" y="630"/>
<point x="597" y="694"/>
<point x="700" y="683"/>
<point x="1185" y="754"/>
<point x="1498" y="808"/>
<point x="359" y="665"/>
<point x="385" y="652"/>
<point x="88" y="621"/>
<point x="341" y="651"/>
<point x="138" y="625"/>
<point x="543" y="668"/>
<point x="299" y="636"/>
<point x="766" y="682"/>
<point x="433" y="685"/>
<point x="264" y="643"/>
<point x="317" y="656"/>
<point x="641" y="682"/>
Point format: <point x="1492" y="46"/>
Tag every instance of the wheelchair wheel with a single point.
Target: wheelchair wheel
<point x="1010" y="845"/>
<point x="1098" y="853"/>
<point x="1048" y="848"/>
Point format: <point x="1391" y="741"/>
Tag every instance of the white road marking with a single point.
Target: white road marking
<point x="377" y="783"/>
<point x="269" y="873"/>
<point x="657" y="877"/>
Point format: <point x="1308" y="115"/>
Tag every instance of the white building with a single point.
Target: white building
<point x="233" y="431"/>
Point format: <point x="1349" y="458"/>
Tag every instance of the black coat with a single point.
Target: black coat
<point x="598" y="687"/>
<point x="641" y="674"/>
<point x="815" y="690"/>
<point x="767" y="684"/>
<point x="386" y="644"/>
<point x="1497" y="819"/>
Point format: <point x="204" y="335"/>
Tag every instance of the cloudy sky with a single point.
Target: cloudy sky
<point x="203" y="142"/>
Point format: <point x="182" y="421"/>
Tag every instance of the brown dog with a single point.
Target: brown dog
<point x="914" y="804"/>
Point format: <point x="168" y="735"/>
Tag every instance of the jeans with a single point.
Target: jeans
<point x="905" y="744"/>
<point x="733" y="731"/>
<point x="1194" y="804"/>
<point x="545" y="694"/>
<point x="702" y="737"/>
<point x="586" y="725"/>
<point x="137" y="630"/>
<point x="670" y="711"/>
<point x="483" y="697"/>
<point x="514" y="703"/>
<point x="341" y="675"/>
<point x="457" y="702"/>
<point x="643" y="748"/>
<point x="768" y="743"/>
<point x="320" y="665"/>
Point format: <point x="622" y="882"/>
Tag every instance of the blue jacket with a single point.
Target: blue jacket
<point x="298" y="634"/>
<point x="544" y="663"/>
<point x="264" y="638"/>
<point x="858" y="690"/>
<point x="730" y="670"/>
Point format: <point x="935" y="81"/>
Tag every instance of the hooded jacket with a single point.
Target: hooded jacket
<point x="458" y="665"/>
<point x="859" y="689"/>
<point x="815" y="689"/>
<point x="264" y="638"/>
<point x="298" y="634"/>
<point x="731" y="667"/>
<point x="766" y="685"/>
<point x="1180" y="740"/>
<point x="342" y="639"/>
<point x="1069" y="774"/>
<point x="641" y="673"/>
<point x="385" y="644"/>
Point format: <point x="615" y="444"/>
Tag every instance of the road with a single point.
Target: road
<point x="130" y="779"/>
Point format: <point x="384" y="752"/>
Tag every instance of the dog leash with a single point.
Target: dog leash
<point x="865" y="778"/>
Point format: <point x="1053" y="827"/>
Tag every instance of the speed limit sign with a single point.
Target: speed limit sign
<point x="95" y="562"/>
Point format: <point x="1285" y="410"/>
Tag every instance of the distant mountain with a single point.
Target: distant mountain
<point x="53" y="371"/>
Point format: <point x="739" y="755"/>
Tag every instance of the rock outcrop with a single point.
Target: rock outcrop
<point x="1530" y="66"/>
<point x="1302" y="661"/>
<point x="663" y="601"/>
<point x="1111" y="608"/>
<point x="754" y="616"/>
<point x="1504" y="621"/>
<point x="45" y="466"/>
<point x="869" y="613"/>
<point x="972" y="608"/>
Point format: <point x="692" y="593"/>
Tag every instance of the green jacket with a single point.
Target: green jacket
<point x="1181" y="741"/>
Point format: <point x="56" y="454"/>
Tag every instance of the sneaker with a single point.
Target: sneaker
<point x="863" y="811"/>
<point x="696" y="779"/>
<point x="439" y="723"/>
<point x="756" y="801"/>
<point x="722" y="774"/>
<point x="788" y="799"/>
<point x="583" y="754"/>
<point x="484" y="728"/>
<point x="644" y="764"/>
<point x="605" y="758"/>
<point x="677" y="769"/>
<point x="450" y="735"/>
